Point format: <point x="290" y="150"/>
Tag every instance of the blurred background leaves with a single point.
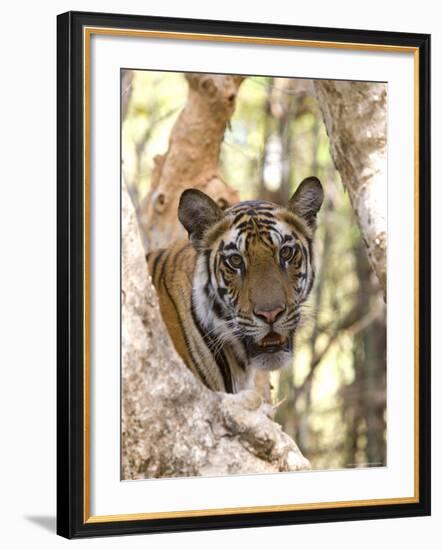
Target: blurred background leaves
<point x="333" y="400"/>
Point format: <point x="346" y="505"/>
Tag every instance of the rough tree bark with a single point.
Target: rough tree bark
<point x="192" y="157"/>
<point x="126" y="91"/>
<point x="171" y="424"/>
<point x="355" y="115"/>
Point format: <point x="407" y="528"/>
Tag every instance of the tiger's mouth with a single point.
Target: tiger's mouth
<point x="271" y="343"/>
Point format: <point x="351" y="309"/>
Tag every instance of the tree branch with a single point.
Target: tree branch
<point x="192" y="157"/>
<point x="171" y="424"/>
<point x="355" y="115"/>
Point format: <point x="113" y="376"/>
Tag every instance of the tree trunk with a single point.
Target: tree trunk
<point x="355" y="115"/>
<point x="171" y="424"/>
<point x="126" y="91"/>
<point x="192" y="157"/>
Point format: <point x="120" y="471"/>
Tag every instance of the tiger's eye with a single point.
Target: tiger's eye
<point x="286" y="253"/>
<point x="235" y="260"/>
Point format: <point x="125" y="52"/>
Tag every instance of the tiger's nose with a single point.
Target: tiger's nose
<point x="270" y="315"/>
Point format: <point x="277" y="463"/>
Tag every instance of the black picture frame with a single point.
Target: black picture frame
<point x="71" y="519"/>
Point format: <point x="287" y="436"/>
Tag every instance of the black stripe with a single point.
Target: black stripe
<point x="217" y="309"/>
<point x="293" y="316"/>
<point x="219" y="357"/>
<point x="277" y="231"/>
<point x="222" y="292"/>
<point x="266" y="223"/>
<point x="208" y="285"/>
<point x="240" y="363"/>
<point x="297" y="262"/>
<point x="310" y="284"/>
<point x="253" y="203"/>
<point x="304" y="250"/>
<point x="223" y="277"/>
<point x="238" y="217"/>
<point x="264" y="209"/>
<point x="243" y="225"/>
<point x="216" y="266"/>
<point x="160" y="254"/>
<point x="266" y="215"/>
<point x="180" y="321"/>
<point x="309" y="244"/>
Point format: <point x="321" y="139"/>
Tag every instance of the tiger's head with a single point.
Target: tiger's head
<point x="254" y="270"/>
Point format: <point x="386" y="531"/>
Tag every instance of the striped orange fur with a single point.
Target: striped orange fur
<point x="231" y="296"/>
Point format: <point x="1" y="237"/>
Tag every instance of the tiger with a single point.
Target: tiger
<point x="231" y="295"/>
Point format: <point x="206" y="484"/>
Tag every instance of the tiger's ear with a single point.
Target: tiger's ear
<point x="307" y="200"/>
<point x="197" y="212"/>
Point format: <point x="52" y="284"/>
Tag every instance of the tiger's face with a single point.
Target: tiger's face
<point x="254" y="270"/>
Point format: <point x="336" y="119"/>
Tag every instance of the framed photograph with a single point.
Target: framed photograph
<point x="243" y="274"/>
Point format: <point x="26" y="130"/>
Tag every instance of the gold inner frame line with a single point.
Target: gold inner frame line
<point x="87" y="33"/>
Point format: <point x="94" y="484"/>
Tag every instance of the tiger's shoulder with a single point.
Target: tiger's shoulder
<point x="173" y="265"/>
<point x="171" y="270"/>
